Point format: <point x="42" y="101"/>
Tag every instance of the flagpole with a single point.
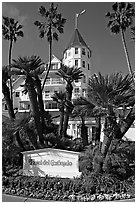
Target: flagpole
<point x="76" y="18"/>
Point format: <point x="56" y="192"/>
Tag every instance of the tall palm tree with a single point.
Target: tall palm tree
<point x="69" y="75"/>
<point x="52" y="25"/>
<point x="120" y="19"/>
<point x="6" y="91"/>
<point x="30" y="66"/>
<point x="109" y="93"/>
<point x="11" y="30"/>
<point x="60" y="98"/>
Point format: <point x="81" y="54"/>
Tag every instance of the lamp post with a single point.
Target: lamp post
<point x="76" y="19"/>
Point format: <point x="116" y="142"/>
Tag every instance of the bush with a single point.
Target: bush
<point x="86" y="188"/>
<point x="119" y="161"/>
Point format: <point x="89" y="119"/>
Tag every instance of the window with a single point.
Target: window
<point x="6" y="107"/>
<point x="88" y="66"/>
<point x="57" y="81"/>
<point x="48" y="81"/>
<point x="83" y="51"/>
<point x="54" y="105"/>
<point x="76" y="63"/>
<point x="73" y="126"/>
<point x="88" y="54"/>
<point x="17" y="94"/>
<point x="84" y="79"/>
<point x="77" y="80"/>
<point x="76" y="50"/>
<point x="76" y="90"/>
<point x="47" y="93"/>
<point x="84" y="92"/>
<point x="83" y="64"/>
<point x="54" y="66"/>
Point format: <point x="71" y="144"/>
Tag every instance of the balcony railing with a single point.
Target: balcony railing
<point x="54" y="81"/>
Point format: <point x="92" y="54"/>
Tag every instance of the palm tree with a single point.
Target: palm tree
<point x="84" y="108"/>
<point x="60" y="98"/>
<point x="11" y="30"/>
<point x="37" y="82"/>
<point x="69" y="75"/>
<point x="79" y="111"/>
<point x="30" y="66"/>
<point x="6" y="92"/>
<point x="120" y="19"/>
<point x="109" y="93"/>
<point x="52" y="25"/>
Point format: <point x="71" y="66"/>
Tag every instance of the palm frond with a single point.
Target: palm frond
<point x="116" y="89"/>
<point x="11" y="29"/>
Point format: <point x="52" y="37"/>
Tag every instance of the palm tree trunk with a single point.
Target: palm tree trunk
<point x="110" y="130"/>
<point x="10" y="52"/>
<point x="34" y="108"/>
<point x="61" y="122"/>
<point x="98" y="128"/>
<point x="84" y="133"/>
<point x="6" y="93"/>
<point x="126" y="52"/>
<point x="40" y="99"/>
<point x="69" y="89"/>
<point x="50" y="58"/>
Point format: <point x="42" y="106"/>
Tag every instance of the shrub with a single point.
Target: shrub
<point x="86" y="188"/>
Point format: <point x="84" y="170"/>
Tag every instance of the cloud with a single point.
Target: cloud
<point x="13" y="12"/>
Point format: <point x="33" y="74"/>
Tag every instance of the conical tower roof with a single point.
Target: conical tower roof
<point x="76" y="40"/>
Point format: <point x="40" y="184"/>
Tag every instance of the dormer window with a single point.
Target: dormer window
<point x="83" y="51"/>
<point x="76" y="50"/>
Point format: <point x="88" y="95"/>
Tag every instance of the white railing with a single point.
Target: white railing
<point x="54" y="81"/>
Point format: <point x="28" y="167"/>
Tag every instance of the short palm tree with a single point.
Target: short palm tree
<point x="30" y="66"/>
<point x="120" y="19"/>
<point x="69" y="75"/>
<point x="52" y="25"/>
<point x="6" y="91"/>
<point x="11" y="30"/>
<point x="109" y="93"/>
<point x="83" y="108"/>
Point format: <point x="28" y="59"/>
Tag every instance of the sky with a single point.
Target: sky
<point x="107" y="50"/>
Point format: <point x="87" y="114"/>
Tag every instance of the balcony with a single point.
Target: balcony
<point x="54" y="81"/>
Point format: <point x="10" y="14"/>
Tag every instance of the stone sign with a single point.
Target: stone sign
<point x="52" y="162"/>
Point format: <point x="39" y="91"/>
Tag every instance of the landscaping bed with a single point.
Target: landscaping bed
<point x="86" y="188"/>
